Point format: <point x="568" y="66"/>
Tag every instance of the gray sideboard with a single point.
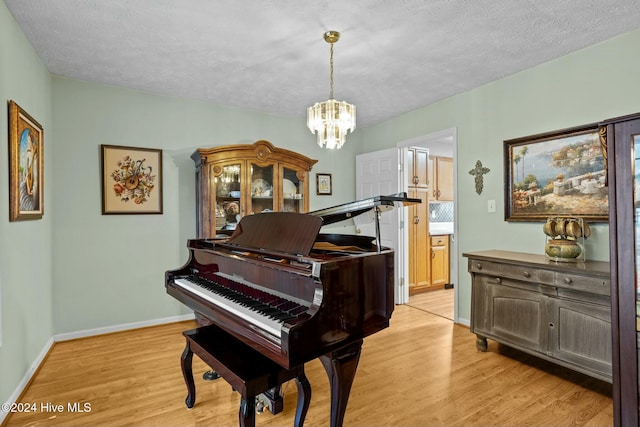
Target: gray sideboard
<point x="558" y="311"/>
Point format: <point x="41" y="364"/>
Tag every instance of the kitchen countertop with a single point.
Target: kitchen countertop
<point x="437" y="228"/>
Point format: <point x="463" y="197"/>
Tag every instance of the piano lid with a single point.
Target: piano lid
<point x="349" y="210"/>
<point x="284" y="232"/>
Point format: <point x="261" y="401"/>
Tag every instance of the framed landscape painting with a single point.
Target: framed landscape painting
<point x="26" y="165"/>
<point x="131" y="180"/>
<point x="561" y="173"/>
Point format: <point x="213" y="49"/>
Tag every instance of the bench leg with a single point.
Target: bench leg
<point x="247" y="413"/>
<point x="187" y="373"/>
<point x="304" y="397"/>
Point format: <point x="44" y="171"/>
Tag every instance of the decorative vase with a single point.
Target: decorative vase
<point x="562" y="249"/>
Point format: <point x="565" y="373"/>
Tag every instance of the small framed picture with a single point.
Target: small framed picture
<point x="131" y="180"/>
<point x="26" y="165"/>
<point x="323" y="184"/>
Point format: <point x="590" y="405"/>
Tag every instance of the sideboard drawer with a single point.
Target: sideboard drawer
<point x="517" y="272"/>
<point x="596" y="285"/>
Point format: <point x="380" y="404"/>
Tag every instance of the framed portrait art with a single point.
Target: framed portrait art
<point x="561" y="173"/>
<point x="323" y="184"/>
<point x="131" y="180"/>
<point x="26" y="165"/>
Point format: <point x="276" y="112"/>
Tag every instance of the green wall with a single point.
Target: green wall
<point x="593" y="84"/>
<point x="109" y="269"/>
<point x="25" y="246"/>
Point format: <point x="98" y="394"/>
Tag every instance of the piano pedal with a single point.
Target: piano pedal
<point x="271" y="400"/>
<point x="210" y="376"/>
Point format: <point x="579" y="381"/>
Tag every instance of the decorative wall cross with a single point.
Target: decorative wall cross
<point x="479" y="171"/>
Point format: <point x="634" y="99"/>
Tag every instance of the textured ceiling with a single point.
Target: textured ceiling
<point x="394" y="55"/>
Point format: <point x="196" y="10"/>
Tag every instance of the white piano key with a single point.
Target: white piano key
<point x="274" y="327"/>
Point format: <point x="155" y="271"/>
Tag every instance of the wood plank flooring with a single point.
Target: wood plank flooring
<point x="422" y="371"/>
<point x="439" y="302"/>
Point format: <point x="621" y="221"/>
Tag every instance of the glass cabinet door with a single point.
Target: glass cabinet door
<point x="228" y="201"/>
<point x="623" y="142"/>
<point x="292" y="191"/>
<point x="636" y="207"/>
<point x="261" y="188"/>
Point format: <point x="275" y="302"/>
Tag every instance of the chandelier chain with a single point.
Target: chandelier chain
<point x="331" y="73"/>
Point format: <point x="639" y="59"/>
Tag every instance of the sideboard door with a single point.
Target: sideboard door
<point x="511" y="312"/>
<point x="577" y="330"/>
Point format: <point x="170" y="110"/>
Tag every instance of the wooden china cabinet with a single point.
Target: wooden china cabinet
<point x="244" y="179"/>
<point x="622" y="139"/>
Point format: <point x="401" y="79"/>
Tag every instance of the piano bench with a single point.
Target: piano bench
<point x="244" y="368"/>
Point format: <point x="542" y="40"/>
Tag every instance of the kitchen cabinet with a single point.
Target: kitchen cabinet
<point x="439" y="261"/>
<point x="418" y="235"/>
<point x="440" y="178"/>
<point x="417" y="165"/>
<point x="244" y="179"/>
<point x="560" y="312"/>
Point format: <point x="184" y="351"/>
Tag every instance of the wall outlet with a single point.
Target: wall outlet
<point x="491" y="206"/>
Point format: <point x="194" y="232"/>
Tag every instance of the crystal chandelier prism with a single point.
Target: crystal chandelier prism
<point x="331" y="120"/>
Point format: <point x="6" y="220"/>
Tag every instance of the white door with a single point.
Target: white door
<point x="378" y="174"/>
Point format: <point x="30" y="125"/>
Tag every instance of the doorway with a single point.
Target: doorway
<point x="436" y="293"/>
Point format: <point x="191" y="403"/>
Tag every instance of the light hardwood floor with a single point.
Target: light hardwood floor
<point x="422" y="371"/>
<point x="439" y="302"/>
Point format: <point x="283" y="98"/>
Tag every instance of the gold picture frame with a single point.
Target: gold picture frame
<point x="559" y="173"/>
<point x="131" y="180"/>
<point x="26" y="165"/>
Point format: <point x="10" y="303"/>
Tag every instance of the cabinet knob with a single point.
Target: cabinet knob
<point x="526" y="274"/>
<point x="479" y="266"/>
<point x="568" y="280"/>
<point x="416" y="219"/>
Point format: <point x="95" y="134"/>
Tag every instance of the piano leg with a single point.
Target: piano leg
<point x="341" y="368"/>
<point x="304" y="398"/>
<point x="187" y="373"/>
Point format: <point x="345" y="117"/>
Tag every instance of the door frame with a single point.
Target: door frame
<point x="449" y="135"/>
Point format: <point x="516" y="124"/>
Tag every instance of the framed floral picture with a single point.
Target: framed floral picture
<point x="560" y="173"/>
<point x="131" y="180"/>
<point x="26" y="165"/>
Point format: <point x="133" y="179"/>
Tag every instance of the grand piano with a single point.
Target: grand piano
<point x="294" y="294"/>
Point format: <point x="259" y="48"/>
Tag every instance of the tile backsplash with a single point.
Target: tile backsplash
<point x="441" y="212"/>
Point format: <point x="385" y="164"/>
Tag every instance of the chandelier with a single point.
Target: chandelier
<point x="331" y="119"/>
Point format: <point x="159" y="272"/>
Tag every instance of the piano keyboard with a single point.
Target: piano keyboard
<point x="262" y="309"/>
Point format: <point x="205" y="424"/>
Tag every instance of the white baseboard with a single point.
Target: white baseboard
<point x="26" y="378"/>
<point x="122" y="327"/>
<point x="82" y="334"/>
